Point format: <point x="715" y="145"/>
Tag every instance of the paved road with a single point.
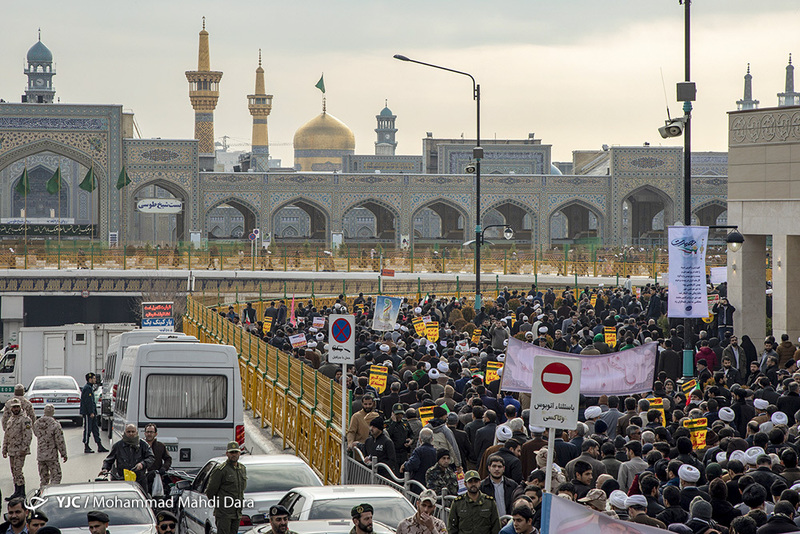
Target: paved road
<point x="82" y="467"/>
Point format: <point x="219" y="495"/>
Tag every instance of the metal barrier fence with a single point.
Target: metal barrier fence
<point x="299" y="404"/>
<point x="575" y="260"/>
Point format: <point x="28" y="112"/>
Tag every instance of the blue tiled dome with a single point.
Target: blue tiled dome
<point x="39" y="53"/>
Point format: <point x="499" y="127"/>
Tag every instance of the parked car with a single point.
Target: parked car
<point x="324" y="526"/>
<point x="269" y="477"/>
<point x="335" y="502"/>
<point x="66" y="506"/>
<point x="60" y="391"/>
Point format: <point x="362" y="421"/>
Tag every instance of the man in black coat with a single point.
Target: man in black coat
<point x="563" y="451"/>
<point x="460" y="436"/>
<point x="789" y="403"/>
<point x="670" y="361"/>
<point x="484" y="437"/>
<point x="496" y="467"/>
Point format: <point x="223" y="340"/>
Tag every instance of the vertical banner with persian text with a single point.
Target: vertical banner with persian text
<point x="687" y="271"/>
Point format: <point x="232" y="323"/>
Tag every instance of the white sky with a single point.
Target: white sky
<point x="578" y="73"/>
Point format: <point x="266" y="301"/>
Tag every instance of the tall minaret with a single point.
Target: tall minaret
<point x="40" y="71"/>
<point x="259" y="104"/>
<point x="386" y="143"/>
<point x="789" y="97"/>
<point x="204" y="93"/>
<point x="747" y="102"/>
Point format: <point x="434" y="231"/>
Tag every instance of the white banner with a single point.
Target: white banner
<point x="562" y="516"/>
<point x="619" y="373"/>
<point x="687" y="271"/>
<point x="719" y="275"/>
<point x="159" y="205"/>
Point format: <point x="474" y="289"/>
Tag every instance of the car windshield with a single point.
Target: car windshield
<point x="388" y="510"/>
<point x="123" y="508"/>
<point x="277" y="477"/>
<point x="53" y="383"/>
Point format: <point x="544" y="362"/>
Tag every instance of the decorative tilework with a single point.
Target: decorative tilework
<point x="391" y="202"/>
<point x="251" y="199"/>
<point x="52" y="123"/>
<point x="559" y="201"/>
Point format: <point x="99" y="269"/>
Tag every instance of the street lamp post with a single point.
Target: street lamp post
<point x="477" y="155"/>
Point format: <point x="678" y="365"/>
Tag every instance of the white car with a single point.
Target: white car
<point x="269" y="477"/>
<point x="66" y="506"/>
<point x="60" y="391"/>
<point x="324" y="526"/>
<point x="335" y="502"/>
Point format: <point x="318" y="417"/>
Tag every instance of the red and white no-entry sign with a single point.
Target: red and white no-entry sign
<point x="555" y="391"/>
<point x="556" y="378"/>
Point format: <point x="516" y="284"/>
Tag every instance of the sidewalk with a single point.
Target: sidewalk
<point x="259" y="440"/>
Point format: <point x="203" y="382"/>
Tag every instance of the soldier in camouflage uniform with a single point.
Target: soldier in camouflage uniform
<point x="50" y="443"/>
<point x="27" y="407"/>
<point x="440" y="475"/>
<point x="17" y="445"/>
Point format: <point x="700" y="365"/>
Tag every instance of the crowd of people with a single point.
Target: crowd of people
<point x="624" y="458"/>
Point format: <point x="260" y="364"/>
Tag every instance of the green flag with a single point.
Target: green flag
<point x="23" y="186"/>
<point x="53" y="185"/>
<point x="89" y="183"/>
<point x="321" y="84"/>
<point x="123" y="179"/>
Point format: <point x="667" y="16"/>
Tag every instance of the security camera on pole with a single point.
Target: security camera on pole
<point x="555" y="395"/>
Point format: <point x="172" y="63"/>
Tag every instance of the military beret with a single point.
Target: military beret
<point x="277" y="510"/>
<point x="165" y="516"/>
<point x="360" y="509"/>
<point x="33" y="516"/>
<point x="96" y="515"/>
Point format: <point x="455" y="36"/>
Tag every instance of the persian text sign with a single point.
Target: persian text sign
<point x="156" y="310"/>
<point x="687" y="271"/>
<point x="298" y="340"/>
<point x="377" y="377"/>
<point x="698" y="429"/>
<point x="159" y="205"/>
<point x="555" y="391"/>
<point x="491" y="371"/>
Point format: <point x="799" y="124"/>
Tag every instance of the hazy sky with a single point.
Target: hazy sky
<point x="578" y="73"/>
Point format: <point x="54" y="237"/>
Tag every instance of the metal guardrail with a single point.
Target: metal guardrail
<point x="300" y="405"/>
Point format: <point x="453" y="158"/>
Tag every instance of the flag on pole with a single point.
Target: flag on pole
<point x="23" y="186"/>
<point x="53" y="185"/>
<point x="321" y="84"/>
<point x="89" y="182"/>
<point x="123" y="179"/>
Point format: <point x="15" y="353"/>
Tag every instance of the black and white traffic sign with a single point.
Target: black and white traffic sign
<point x="555" y="392"/>
<point x="342" y="340"/>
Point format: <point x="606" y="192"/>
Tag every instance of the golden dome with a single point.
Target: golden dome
<point x="324" y="132"/>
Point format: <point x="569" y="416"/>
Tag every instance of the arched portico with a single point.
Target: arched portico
<point x="574" y="221"/>
<point x="452" y="223"/>
<point x="158" y="227"/>
<point x="386" y="220"/>
<point x="231" y="218"/>
<point x="520" y="217"/>
<point x="318" y="224"/>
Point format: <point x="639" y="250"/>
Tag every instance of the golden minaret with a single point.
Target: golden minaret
<point x="204" y="93"/>
<point x="259" y="104"/>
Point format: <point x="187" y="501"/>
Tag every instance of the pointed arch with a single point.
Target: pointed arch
<point x="513" y="212"/>
<point x="646" y="204"/>
<point x="47" y="145"/>
<point x="248" y="211"/>
<point x="181" y="219"/>
<point x="578" y="226"/>
<point x="449" y="213"/>
<point x="320" y="218"/>
<point x="387" y="219"/>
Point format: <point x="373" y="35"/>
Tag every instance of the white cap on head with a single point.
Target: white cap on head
<point x="751" y="455"/>
<point x="504" y="320"/>
<point x="433" y="374"/>
<point x="540" y="316"/>
<point x="427" y="366"/>
<point x="384" y="347"/>
<point x="474" y="350"/>
<point x="721" y="457"/>
<point x="536" y="429"/>
<point x="524" y="317"/>
<point x="636" y="500"/>
<point x="761" y="404"/>
<point x="738" y="455"/>
<point x="529" y="297"/>
<point x="312" y="329"/>
<point x="766" y="426"/>
<point x="726" y="414"/>
<point x="593" y="411"/>
<point x="336" y="306"/>
<point x="617" y="499"/>
<point x="780" y="418"/>
<point x="396" y="326"/>
<point x="443" y="343"/>
<point x="442" y="367"/>
<point x="529" y="335"/>
<point x="503" y="433"/>
<point x="689" y="473"/>
<point x="312" y="344"/>
<point x="542" y="329"/>
<point x="417" y="310"/>
<point x="404" y="328"/>
<point x="505" y="342"/>
<point x="501" y="357"/>
<point x="499" y="372"/>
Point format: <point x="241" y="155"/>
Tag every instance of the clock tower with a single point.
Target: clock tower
<point x="386" y="144"/>
<point x="40" y="71"/>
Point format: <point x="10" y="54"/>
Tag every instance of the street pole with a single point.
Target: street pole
<point x="343" y="464"/>
<point x="477" y="155"/>
<point x="688" y="323"/>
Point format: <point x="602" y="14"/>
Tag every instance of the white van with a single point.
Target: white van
<point x="192" y="391"/>
<point x="116" y="349"/>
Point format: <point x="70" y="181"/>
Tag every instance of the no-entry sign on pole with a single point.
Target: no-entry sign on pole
<point x="555" y="392"/>
<point x="342" y="340"/>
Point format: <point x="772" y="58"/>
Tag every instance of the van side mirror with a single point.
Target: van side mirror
<point x="183" y="485"/>
<point x="258" y="519"/>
